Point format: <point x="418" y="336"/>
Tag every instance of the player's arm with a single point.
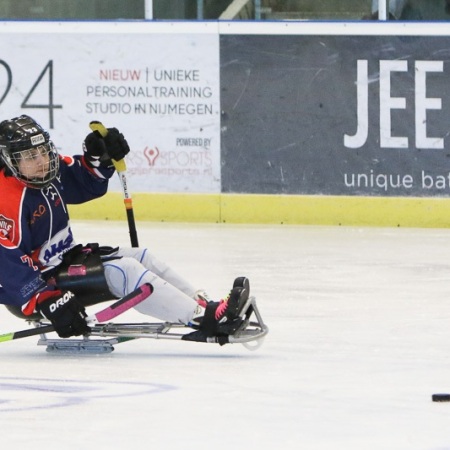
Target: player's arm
<point x="86" y="176"/>
<point x="22" y="285"/>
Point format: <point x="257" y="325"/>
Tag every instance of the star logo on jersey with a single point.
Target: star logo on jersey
<point x="6" y="227"/>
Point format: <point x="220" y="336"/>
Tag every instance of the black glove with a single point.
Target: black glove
<point x="100" y="150"/>
<point x="63" y="310"/>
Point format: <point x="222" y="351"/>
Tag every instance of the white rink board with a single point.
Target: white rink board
<point x="157" y="84"/>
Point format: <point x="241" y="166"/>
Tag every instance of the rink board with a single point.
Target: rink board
<point x="296" y="122"/>
<point x="272" y="209"/>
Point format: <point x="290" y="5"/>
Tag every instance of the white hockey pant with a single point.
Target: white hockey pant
<point x="172" y="298"/>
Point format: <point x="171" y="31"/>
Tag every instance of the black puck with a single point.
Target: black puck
<point x="440" y="397"/>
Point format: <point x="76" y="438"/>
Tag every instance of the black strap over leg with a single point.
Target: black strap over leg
<point x="209" y="322"/>
<point x="82" y="272"/>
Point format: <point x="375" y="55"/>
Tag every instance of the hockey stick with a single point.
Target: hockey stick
<point x="112" y="311"/>
<point x="121" y="169"/>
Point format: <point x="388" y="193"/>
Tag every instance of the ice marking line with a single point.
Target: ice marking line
<point x="25" y="394"/>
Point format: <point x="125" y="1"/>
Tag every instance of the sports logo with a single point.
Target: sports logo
<point x="51" y="253"/>
<point x="151" y="155"/>
<point x="39" y="139"/>
<point x="61" y="301"/>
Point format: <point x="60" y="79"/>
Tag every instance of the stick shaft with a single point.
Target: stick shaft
<point x="128" y="202"/>
<point x="132" y="228"/>
<point x="121" y="171"/>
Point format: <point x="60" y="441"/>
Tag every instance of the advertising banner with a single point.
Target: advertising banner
<point x="336" y="114"/>
<point x="159" y="87"/>
<point x="303" y="108"/>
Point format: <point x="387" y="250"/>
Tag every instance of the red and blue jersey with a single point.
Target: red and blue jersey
<point x="35" y="227"/>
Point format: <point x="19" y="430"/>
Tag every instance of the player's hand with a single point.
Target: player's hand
<point x="116" y="145"/>
<point x="63" y="310"/>
<point x="100" y="150"/>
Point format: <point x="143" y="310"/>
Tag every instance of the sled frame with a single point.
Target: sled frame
<point x="105" y="336"/>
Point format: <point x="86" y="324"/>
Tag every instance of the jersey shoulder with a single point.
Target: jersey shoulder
<point x="11" y="207"/>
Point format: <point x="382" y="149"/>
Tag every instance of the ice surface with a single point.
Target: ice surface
<point x="359" y="341"/>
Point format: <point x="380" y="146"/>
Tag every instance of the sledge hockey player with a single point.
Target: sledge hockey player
<point x="43" y="271"/>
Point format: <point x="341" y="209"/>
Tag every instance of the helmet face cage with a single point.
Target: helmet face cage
<point x="36" y="167"/>
<point x="28" y="152"/>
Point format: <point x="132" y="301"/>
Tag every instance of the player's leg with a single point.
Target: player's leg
<point x="159" y="268"/>
<point x="168" y="303"/>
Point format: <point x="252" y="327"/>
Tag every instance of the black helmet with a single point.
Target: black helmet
<point x="23" y="140"/>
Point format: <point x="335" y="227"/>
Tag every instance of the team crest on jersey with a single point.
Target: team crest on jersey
<point x="6" y="227"/>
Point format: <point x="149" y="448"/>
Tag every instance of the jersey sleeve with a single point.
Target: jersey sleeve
<point x="82" y="183"/>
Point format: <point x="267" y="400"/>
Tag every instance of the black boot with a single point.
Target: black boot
<point x="222" y="318"/>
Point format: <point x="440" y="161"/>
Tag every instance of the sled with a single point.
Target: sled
<point x="249" y="331"/>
